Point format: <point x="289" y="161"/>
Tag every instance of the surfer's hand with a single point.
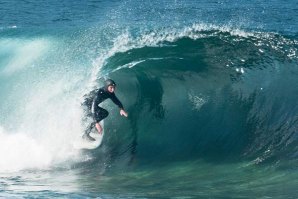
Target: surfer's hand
<point x="123" y="113"/>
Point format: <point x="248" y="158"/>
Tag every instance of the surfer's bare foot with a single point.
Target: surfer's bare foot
<point x="99" y="128"/>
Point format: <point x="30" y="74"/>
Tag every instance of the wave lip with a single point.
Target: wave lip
<point x="167" y="37"/>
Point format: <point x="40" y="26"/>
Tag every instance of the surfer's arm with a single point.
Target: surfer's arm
<point x="119" y="104"/>
<point x="117" y="101"/>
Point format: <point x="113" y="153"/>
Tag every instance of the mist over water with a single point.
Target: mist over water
<point x="209" y="88"/>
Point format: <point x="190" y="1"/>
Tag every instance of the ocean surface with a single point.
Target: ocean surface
<point x="211" y="88"/>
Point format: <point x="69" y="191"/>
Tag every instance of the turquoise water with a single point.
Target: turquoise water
<point x="210" y="88"/>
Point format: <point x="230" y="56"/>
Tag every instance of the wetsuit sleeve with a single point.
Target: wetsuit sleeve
<point x="116" y="101"/>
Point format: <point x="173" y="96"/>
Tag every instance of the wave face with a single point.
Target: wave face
<point x="199" y="92"/>
<point x="210" y="88"/>
<point x="210" y="93"/>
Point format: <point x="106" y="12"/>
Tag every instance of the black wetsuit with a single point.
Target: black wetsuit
<point x="97" y="112"/>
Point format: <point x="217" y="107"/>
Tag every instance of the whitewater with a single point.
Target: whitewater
<point x="210" y="88"/>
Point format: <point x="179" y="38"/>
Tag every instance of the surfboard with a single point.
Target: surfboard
<point x="85" y="144"/>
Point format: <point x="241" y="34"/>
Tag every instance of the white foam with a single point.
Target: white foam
<point x="47" y="120"/>
<point x="240" y="70"/>
<point x="43" y="137"/>
<point x="19" y="151"/>
<point x="197" y="100"/>
<point x="44" y="134"/>
<point x="53" y="114"/>
<point x="23" y="53"/>
<point x="12" y="27"/>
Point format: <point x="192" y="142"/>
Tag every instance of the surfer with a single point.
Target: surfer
<point x="98" y="113"/>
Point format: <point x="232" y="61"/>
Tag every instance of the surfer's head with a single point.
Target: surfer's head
<point x="110" y="85"/>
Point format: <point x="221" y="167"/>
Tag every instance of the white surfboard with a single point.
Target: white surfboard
<point x="85" y="144"/>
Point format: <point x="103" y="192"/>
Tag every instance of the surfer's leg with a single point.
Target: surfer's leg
<point x="98" y="116"/>
<point x="89" y="128"/>
<point x="91" y="125"/>
<point x="98" y="127"/>
<point x="88" y="131"/>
